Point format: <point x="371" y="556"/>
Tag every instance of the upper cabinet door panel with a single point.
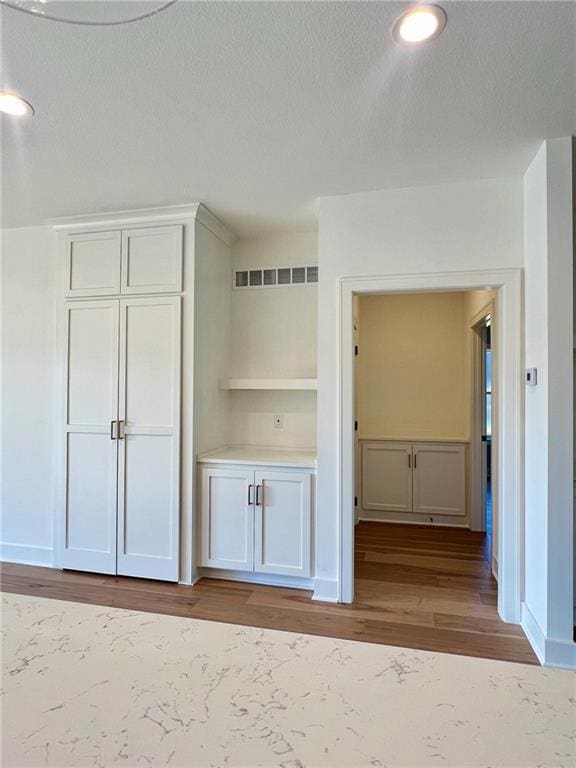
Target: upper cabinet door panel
<point x="152" y="260"/>
<point x="92" y="264"/>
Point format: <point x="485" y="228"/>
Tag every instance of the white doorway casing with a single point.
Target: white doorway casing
<point x="507" y="441"/>
<point x="477" y="455"/>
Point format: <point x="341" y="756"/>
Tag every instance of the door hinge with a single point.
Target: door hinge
<point x="355" y="426"/>
<point x="356" y="350"/>
<point x="355" y="501"/>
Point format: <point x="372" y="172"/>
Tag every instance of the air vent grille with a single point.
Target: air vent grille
<point x="272" y="277"/>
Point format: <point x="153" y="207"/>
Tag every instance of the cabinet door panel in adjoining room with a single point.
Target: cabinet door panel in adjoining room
<point x="90" y="455"/>
<point x="149" y="438"/>
<point x="387" y="476"/>
<point x="439" y="479"/>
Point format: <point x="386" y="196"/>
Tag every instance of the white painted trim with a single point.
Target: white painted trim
<point x="145" y="217"/>
<point x="477" y="511"/>
<point x="377" y="516"/>
<point x="550" y="652"/>
<point x="533" y="633"/>
<point x="325" y="590"/>
<point x="250" y="577"/>
<point x="25" y="554"/>
<point x="507" y="444"/>
<point x="128" y="218"/>
<point x="205" y="216"/>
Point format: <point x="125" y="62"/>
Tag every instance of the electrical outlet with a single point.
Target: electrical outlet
<point x="279" y="422"/>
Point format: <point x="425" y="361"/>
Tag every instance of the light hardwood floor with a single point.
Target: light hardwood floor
<point x="416" y="587"/>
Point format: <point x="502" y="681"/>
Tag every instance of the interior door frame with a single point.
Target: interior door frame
<point x="477" y="500"/>
<point x="509" y="440"/>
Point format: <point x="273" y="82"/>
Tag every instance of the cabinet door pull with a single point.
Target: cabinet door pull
<point x="415" y="461"/>
<point x="121" y="430"/>
<point x="409" y="461"/>
<point x="113" y="430"/>
<point x="258" y="495"/>
<point x="250" y="495"/>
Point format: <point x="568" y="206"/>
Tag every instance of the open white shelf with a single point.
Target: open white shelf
<point x="310" y="384"/>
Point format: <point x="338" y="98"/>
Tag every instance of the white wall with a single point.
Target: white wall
<point x="549" y="406"/>
<point x="273" y="335"/>
<point x="212" y="276"/>
<point x="450" y="227"/>
<point x="274" y="329"/>
<point x="29" y="375"/>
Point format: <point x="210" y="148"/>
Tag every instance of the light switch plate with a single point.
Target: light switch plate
<point x="531" y="377"/>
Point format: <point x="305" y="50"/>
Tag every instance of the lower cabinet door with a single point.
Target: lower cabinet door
<point x="387" y="476"/>
<point x="439" y="479"/>
<point x="227" y="519"/>
<point x="282" y="523"/>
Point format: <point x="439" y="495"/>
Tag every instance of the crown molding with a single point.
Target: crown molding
<point x="205" y="216"/>
<point x="175" y="214"/>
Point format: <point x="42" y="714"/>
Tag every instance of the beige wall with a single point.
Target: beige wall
<point x="413" y="368"/>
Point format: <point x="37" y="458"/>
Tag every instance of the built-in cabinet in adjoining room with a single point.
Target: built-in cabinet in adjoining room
<point x="426" y="479"/>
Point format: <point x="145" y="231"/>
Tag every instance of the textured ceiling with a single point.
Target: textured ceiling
<point x="259" y="108"/>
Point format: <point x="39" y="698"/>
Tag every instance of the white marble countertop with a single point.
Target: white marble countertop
<point x="261" y="456"/>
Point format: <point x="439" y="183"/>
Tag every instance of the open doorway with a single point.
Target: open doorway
<point x="423" y="374"/>
<point x="506" y="421"/>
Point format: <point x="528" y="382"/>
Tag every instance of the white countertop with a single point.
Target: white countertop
<point x="389" y="439"/>
<point x="278" y="457"/>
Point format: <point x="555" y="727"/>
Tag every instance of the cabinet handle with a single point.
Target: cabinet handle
<point x="121" y="430"/>
<point x="259" y="495"/>
<point x="113" y="430"/>
<point x="250" y="496"/>
<point x="409" y="461"/>
<point x="414" y="461"/>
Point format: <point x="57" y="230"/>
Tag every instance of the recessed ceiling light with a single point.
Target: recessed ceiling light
<point x="12" y="104"/>
<point x="418" y="24"/>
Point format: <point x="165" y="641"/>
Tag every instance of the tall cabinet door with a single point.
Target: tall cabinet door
<point x="439" y="479"/>
<point x="282" y="523"/>
<point x="387" y="476"/>
<point x="149" y="438"/>
<point x="227" y="518"/>
<point x="90" y="450"/>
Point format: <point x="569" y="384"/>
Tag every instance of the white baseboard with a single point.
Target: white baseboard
<point x="325" y="590"/>
<point x="268" y="579"/>
<point x="406" y="518"/>
<point x="24" y="554"/>
<point x="550" y="652"/>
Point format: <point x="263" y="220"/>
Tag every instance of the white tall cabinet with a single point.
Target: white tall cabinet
<point x="127" y="425"/>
